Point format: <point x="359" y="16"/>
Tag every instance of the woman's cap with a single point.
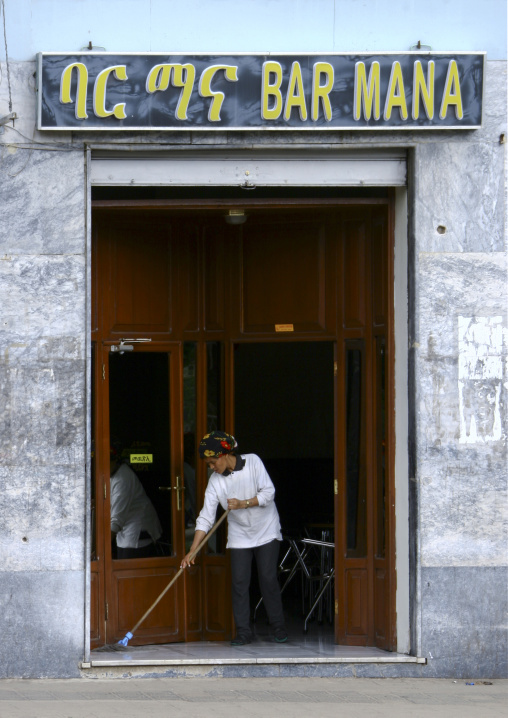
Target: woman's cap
<point x="216" y="444"/>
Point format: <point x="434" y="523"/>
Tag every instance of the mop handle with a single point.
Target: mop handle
<point x="191" y="556"/>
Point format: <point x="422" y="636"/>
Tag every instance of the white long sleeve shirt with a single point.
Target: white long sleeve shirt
<point x="131" y="510"/>
<point x="247" y="528"/>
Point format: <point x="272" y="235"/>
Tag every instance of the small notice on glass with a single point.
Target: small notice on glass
<point x="284" y="328"/>
<point x="141" y="459"/>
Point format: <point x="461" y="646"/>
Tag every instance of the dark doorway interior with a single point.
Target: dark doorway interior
<point x="284" y="413"/>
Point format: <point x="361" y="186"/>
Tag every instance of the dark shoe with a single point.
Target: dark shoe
<point x="241" y="641"/>
<point x="280" y="635"/>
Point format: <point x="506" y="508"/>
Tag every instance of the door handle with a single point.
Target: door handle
<point x="179" y="488"/>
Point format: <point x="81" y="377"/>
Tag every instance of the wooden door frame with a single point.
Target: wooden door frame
<point x="313" y="203"/>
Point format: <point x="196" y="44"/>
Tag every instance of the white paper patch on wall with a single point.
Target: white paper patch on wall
<point x="480" y="379"/>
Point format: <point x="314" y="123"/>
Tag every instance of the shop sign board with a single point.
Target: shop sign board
<point x="150" y="91"/>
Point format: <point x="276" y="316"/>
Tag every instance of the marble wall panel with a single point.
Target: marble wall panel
<point x="42" y="198"/>
<point x="43" y="413"/>
<point x="462" y="316"/>
<point x="42" y="346"/>
<point x="460" y="188"/>
<point x="43" y="296"/>
<point x="462" y="474"/>
<point x="464" y="621"/>
<point x="42" y="624"/>
<point x="41" y="518"/>
<point x="438" y="409"/>
<point x="42" y="459"/>
<point x="453" y="285"/>
<point x="462" y="516"/>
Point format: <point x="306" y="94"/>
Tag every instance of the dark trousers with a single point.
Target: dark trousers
<point x="241" y="564"/>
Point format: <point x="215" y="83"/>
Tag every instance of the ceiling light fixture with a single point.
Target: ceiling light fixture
<point x="235" y="216"/>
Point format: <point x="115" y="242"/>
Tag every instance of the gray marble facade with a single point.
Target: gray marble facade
<point x="457" y="277"/>
<point x="42" y="410"/>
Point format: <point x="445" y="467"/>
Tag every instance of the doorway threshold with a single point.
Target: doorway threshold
<point x="211" y="656"/>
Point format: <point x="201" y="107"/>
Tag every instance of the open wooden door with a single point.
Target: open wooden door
<point x="158" y="396"/>
<point x="142" y="411"/>
<point x="365" y="526"/>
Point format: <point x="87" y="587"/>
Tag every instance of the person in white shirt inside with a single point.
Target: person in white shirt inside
<point x="241" y="483"/>
<point x="134" y="521"/>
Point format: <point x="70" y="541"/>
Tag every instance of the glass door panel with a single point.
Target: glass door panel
<point x="141" y="492"/>
<point x="144" y="517"/>
<point x="356" y="477"/>
<point x="189" y="439"/>
<point x="214" y="422"/>
<point x="380" y="535"/>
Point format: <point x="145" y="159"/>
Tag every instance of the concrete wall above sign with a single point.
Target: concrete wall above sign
<point x="103" y="91"/>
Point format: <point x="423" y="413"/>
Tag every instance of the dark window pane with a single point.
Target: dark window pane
<point x="380" y="446"/>
<point x="356" y="534"/>
<point x="214" y="421"/>
<point x="189" y="439"/>
<point x="139" y="422"/>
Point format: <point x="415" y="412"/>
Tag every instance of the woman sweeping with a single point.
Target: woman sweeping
<point x="241" y="483"/>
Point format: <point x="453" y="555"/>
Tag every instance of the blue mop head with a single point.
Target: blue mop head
<point x="125" y="640"/>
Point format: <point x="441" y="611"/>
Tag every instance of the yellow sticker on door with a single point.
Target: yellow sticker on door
<point x="284" y="328"/>
<point x="141" y="459"/>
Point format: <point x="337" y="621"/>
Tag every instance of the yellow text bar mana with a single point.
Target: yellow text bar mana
<point x="141" y="459"/>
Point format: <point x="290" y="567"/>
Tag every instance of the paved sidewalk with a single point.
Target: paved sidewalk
<point x="252" y="697"/>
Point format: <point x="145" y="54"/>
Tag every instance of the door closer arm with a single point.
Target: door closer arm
<point x="125" y="345"/>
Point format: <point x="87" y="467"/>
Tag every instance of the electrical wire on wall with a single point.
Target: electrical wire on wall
<point x="31" y="144"/>
<point x="2" y="7"/>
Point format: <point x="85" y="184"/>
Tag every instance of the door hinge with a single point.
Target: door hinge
<point x="107" y="611"/>
<point x="336" y="606"/>
<point x="105" y="490"/>
<point x="335" y="487"/>
<point x="335" y="368"/>
<point x="104" y="371"/>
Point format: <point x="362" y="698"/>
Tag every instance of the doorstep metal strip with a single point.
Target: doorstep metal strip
<point x="209" y="655"/>
<point x="249" y="661"/>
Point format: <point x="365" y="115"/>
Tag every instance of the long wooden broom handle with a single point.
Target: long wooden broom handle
<point x="191" y="556"/>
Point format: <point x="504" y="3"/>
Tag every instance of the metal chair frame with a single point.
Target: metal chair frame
<point x="324" y="578"/>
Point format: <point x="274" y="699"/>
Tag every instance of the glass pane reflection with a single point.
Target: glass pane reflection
<point x="140" y="458"/>
<point x="189" y="439"/>
<point x="356" y="533"/>
<point x="214" y="421"/>
<point x="380" y="446"/>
